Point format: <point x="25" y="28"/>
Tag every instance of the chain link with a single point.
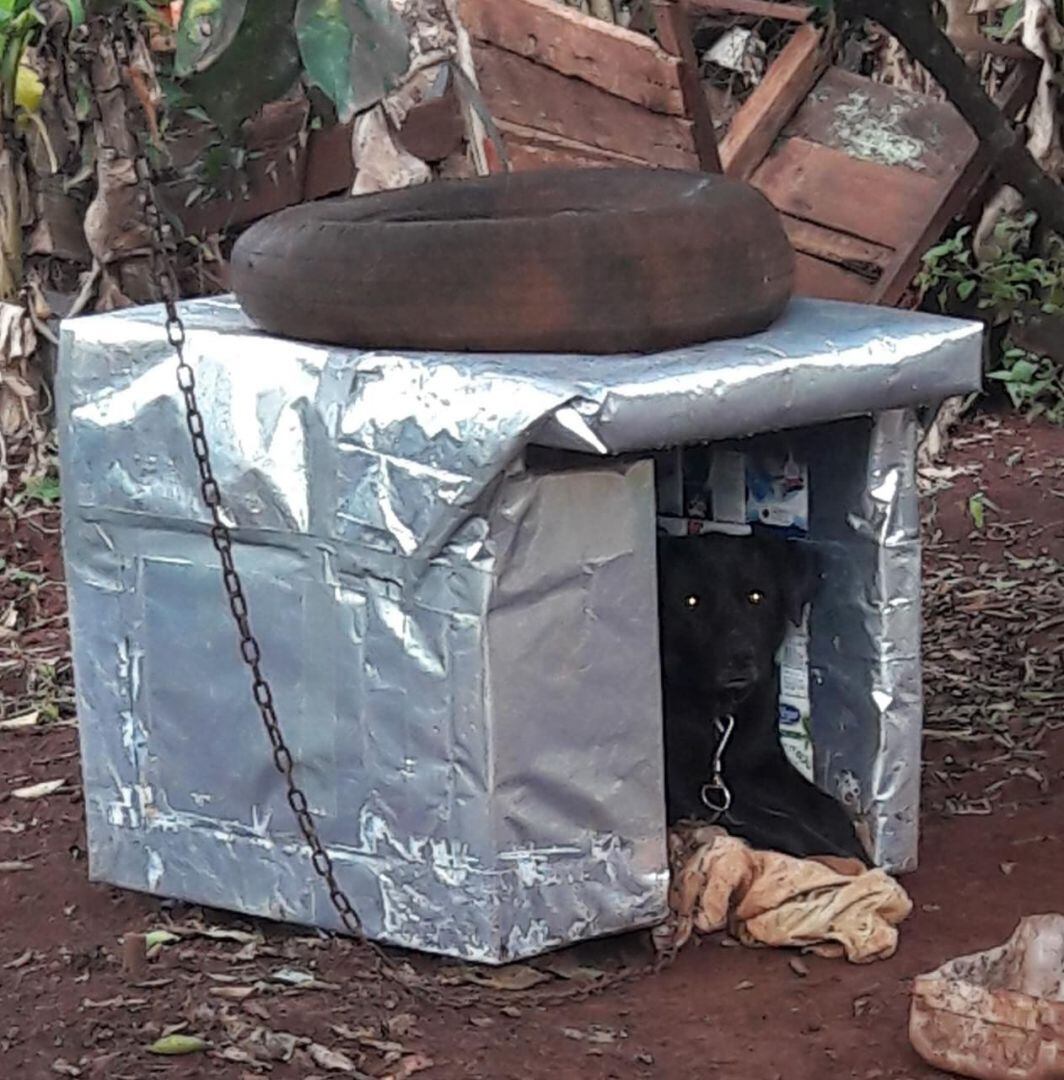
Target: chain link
<point x="437" y="992"/>
<point x="221" y="538"/>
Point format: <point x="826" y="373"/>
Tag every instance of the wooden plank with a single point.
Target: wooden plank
<point x="522" y="92"/>
<point x="528" y="145"/>
<point x="674" y="31"/>
<point x="1017" y="92"/>
<point x="887" y="205"/>
<point x="851" y="253"/>
<point x="762" y="117"/>
<point x="826" y="281"/>
<point x="529" y="157"/>
<point x="879" y="123"/>
<point x="623" y="63"/>
<point x="762" y="9"/>
<point x="981" y="45"/>
<point x="271" y="186"/>
<point x="330" y="166"/>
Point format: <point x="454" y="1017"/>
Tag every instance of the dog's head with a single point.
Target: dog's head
<point x="725" y="602"/>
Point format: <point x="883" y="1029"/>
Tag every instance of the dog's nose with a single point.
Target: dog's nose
<point x="739" y="667"/>
<point x="740" y="656"/>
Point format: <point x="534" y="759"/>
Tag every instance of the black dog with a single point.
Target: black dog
<point x="724" y="606"/>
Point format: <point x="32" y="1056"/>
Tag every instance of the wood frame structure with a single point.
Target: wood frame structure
<point x="824" y="145"/>
<point x="565" y="89"/>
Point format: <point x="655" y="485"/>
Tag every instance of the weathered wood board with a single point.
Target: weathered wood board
<point x="568" y="89"/>
<point x="626" y="65"/>
<point x="873" y="174"/>
<point x="521" y="91"/>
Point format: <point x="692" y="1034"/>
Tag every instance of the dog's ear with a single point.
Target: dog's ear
<point x="802" y="579"/>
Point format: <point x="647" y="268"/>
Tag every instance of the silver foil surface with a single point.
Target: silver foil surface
<point x="462" y="643"/>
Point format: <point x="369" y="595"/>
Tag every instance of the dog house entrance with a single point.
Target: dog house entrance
<point x="849" y="705"/>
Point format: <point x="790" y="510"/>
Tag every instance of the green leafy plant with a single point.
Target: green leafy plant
<point x="234" y="56"/>
<point x="42" y="489"/>
<point x="1012" y="289"/>
<point x="1034" y="384"/>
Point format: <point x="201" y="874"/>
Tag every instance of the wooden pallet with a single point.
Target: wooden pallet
<point x="866" y="176"/>
<point x="569" y="90"/>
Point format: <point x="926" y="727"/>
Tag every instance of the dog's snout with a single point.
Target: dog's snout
<point x="737" y="663"/>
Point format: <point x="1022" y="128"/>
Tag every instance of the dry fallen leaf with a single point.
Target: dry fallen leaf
<point x="292" y="977"/>
<point x="598" y="1034"/>
<point x="237" y="1056"/>
<point x="415" y="1063"/>
<point x="215" y="933"/>
<point x="1007" y="868"/>
<point x="565" y="967"/>
<point x="21" y="961"/>
<point x="272" y="1045"/>
<point x="38" y="791"/>
<point x="746" y="984"/>
<point x="513" y="977"/>
<point x="233" y="993"/>
<point x="14" y="866"/>
<point x="64" y="1068"/>
<point x="27" y="720"/>
<point x="332" y="1060"/>
<point x="401" y="1024"/>
<point x="799" y="967"/>
<point x="246" y="953"/>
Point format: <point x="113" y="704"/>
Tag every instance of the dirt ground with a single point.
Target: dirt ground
<point x="991" y="853"/>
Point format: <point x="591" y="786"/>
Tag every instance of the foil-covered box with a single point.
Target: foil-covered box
<point x="462" y="642"/>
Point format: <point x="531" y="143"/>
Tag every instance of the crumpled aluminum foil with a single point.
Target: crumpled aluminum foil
<point x="463" y="647"/>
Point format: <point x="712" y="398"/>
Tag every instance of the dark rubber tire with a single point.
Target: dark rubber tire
<point x="586" y="261"/>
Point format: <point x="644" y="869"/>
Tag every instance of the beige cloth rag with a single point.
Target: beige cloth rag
<point x="831" y="907"/>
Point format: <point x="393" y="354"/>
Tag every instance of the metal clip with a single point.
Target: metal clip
<point x="716" y="795"/>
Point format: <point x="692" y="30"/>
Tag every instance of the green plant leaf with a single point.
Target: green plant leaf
<point x="966" y="288"/>
<point x="11" y="9"/>
<point x="260" y="65"/>
<point x="207" y="29"/>
<point x="1012" y="17"/>
<point x="177" y="1045"/>
<point x="43" y="490"/>
<point x="77" y="12"/>
<point x="355" y="51"/>
<point x="977" y="509"/>
<point x="159" y="937"/>
<point x="1023" y="371"/>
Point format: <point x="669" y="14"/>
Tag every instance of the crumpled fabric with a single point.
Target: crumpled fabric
<point x="830" y="907"/>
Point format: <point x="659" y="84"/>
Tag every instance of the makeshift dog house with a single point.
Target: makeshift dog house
<point x="462" y="643"/>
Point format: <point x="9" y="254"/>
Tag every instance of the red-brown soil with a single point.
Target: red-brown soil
<point x="67" y="1008"/>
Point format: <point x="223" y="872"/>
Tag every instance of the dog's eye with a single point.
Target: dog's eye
<point x="691" y="601"/>
<point x="755" y="597"/>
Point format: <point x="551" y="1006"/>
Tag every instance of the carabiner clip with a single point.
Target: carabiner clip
<point x="710" y="790"/>
<point x="716" y="795"/>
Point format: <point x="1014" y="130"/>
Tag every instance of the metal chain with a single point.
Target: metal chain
<point x="222" y="539"/>
<point x="434" y="991"/>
